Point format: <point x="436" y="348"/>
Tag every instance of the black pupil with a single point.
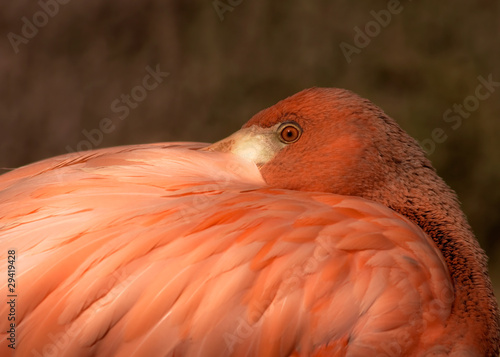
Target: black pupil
<point x="289" y="133"/>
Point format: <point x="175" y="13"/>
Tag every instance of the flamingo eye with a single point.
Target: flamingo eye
<point x="289" y="132"/>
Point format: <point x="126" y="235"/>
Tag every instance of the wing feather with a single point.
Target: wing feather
<point x="164" y="250"/>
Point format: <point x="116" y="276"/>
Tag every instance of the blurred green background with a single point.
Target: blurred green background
<point x="61" y="72"/>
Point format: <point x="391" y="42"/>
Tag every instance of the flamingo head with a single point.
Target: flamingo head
<point x="327" y="140"/>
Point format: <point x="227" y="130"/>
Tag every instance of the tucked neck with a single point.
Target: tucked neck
<point x="431" y="204"/>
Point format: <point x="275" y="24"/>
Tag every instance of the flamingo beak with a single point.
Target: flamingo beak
<point x="256" y="144"/>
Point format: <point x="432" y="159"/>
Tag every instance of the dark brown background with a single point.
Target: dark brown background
<point x="426" y="59"/>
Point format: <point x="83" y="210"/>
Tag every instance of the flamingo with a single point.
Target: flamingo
<point x="318" y="229"/>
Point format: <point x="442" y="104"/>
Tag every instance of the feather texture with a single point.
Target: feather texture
<point x="165" y="250"/>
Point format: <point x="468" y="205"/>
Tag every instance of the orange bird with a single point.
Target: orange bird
<point x="319" y="229"/>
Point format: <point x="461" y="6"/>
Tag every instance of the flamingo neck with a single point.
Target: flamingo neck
<point x="474" y="317"/>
